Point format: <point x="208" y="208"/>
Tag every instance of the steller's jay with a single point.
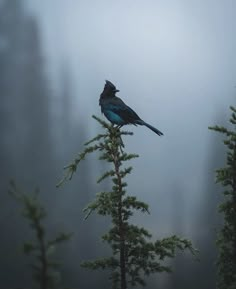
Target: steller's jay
<point x="117" y="112"/>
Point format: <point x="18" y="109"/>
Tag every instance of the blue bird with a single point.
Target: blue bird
<point x="117" y="112"/>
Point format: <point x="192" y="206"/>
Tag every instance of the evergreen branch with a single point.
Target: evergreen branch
<point x="71" y="168"/>
<point x="90" y="208"/>
<point x="233" y="119"/>
<point x="127" y="157"/>
<point x="111" y="173"/>
<point x="131" y="202"/>
<point x="233" y="109"/>
<point x="96" y="138"/>
<point x="29" y="247"/>
<point x="102" y="204"/>
<point x="60" y="238"/>
<point x="126" y="171"/>
<point x="102" y="122"/>
<point x="220" y="129"/>
<point x="102" y="263"/>
<point x="126" y="133"/>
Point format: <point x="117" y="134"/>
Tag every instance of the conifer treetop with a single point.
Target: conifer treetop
<point x="134" y="254"/>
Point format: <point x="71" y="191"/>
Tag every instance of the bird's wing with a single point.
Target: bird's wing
<point x="124" y="111"/>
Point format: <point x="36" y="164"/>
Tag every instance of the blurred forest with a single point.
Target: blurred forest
<point x="36" y="142"/>
<point x="31" y="152"/>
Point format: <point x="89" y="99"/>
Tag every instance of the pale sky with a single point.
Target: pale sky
<point x="174" y="63"/>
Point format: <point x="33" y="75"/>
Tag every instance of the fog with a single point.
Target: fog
<point x="174" y="64"/>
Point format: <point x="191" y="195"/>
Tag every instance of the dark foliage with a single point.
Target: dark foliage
<point x="45" y="269"/>
<point x="133" y="253"/>
<point x="227" y="237"/>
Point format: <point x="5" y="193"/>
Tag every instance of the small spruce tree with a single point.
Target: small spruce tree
<point x="226" y="240"/>
<point x="134" y="254"/>
<point x="45" y="269"/>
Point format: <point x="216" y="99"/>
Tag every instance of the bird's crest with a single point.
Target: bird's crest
<point x="111" y="86"/>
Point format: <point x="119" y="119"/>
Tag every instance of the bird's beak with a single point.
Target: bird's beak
<point x="117" y="90"/>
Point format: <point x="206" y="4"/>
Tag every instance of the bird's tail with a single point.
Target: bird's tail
<point x="150" y="127"/>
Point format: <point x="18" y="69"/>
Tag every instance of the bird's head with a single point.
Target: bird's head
<point x="109" y="85"/>
<point x="109" y="90"/>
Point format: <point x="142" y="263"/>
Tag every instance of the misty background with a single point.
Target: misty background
<point x="174" y="63"/>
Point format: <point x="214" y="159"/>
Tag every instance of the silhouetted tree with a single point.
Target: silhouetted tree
<point x="133" y="254"/>
<point x="226" y="240"/>
<point x="45" y="269"/>
<point x="25" y="143"/>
